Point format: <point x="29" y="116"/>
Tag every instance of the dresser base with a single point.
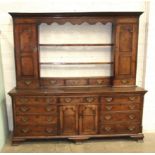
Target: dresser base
<point x="78" y="139"/>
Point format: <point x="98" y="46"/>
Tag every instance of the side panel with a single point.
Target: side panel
<point x="26" y="54"/>
<point x="125" y="54"/>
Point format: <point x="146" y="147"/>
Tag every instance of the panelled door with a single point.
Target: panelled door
<point x="81" y="119"/>
<point x="88" y="119"/>
<point x="26" y="55"/>
<point x="125" y="53"/>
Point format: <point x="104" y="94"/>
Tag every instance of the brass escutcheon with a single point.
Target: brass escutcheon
<point x="28" y="82"/>
<point x="108" y="99"/>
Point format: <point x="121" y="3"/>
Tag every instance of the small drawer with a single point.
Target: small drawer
<point x="120" y="128"/>
<point x="100" y="81"/>
<point x="29" y="109"/>
<point x="120" y="107"/>
<point x="35" y="100"/>
<point x="27" y="84"/>
<point x="35" y="119"/>
<point x="120" y="99"/>
<point x="27" y="130"/>
<point x="85" y="99"/>
<point x="76" y="82"/>
<point x="50" y="82"/>
<point x="108" y="117"/>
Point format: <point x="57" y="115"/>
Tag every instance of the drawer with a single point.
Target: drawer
<point x="120" y="128"/>
<point x="108" y="117"/>
<point x="121" y="99"/>
<point x="100" y="81"/>
<point x="35" y="119"/>
<point x="28" y="109"/>
<point x="26" y="130"/>
<point x="35" y="100"/>
<point x="121" y="107"/>
<point x="86" y="99"/>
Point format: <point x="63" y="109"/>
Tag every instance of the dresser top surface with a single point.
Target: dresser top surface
<point x="77" y="90"/>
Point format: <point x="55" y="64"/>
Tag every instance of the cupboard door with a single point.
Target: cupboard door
<point x="88" y="119"/>
<point x="125" y="54"/>
<point x="68" y="120"/>
<point x="26" y="54"/>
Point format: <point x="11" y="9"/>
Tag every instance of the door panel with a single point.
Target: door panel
<point x="88" y="119"/>
<point x="26" y="51"/>
<point x="125" y="54"/>
<point x="68" y="120"/>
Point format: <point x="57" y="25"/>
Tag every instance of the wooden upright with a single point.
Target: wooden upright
<point x="76" y="108"/>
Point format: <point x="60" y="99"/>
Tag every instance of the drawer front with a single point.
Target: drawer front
<point x="120" y="107"/>
<point x="26" y="130"/>
<point x="35" y="119"/>
<point x="32" y="109"/>
<point x="108" y="117"/>
<point x="35" y="100"/>
<point x="120" y="128"/>
<point x="86" y="99"/>
<point x="121" y="99"/>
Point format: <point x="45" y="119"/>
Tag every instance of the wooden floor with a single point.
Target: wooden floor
<point x="98" y="145"/>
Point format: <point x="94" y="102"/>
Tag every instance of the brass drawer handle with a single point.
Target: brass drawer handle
<point x="108" y="99"/>
<point x="90" y="99"/>
<point x="100" y="81"/>
<point x="26" y="130"/>
<point x="132" y="107"/>
<point x="132" y="116"/>
<point x="131" y="128"/>
<point x="108" y="117"/>
<point x="24" y="109"/>
<point x="108" y="107"/>
<point x="49" y="119"/>
<point x="28" y="82"/>
<point x="132" y="98"/>
<point x="53" y="82"/>
<point x="107" y="128"/>
<point x="24" y="100"/>
<point x="48" y="130"/>
<point x="48" y="108"/>
<point x="24" y="119"/>
<point x="49" y="100"/>
<point x="68" y="100"/>
<point x="74" y="82"/>
<point x="125" y="81"/>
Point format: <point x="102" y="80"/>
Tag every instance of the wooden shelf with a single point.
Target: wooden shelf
<point x="76" y="44"/>
<point x="75" y="63"/>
